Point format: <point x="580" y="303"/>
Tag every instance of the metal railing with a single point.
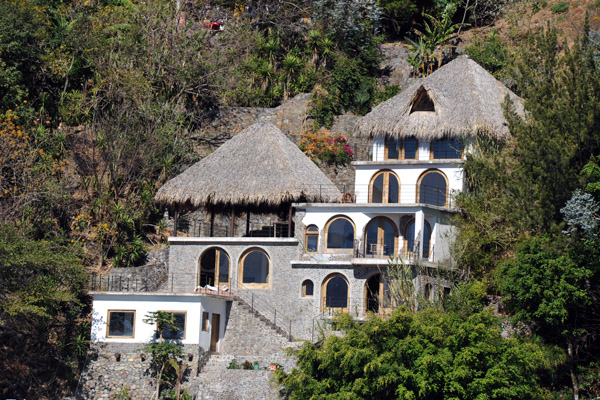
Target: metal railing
<point x="406" y="194"/>
<point x="263" y="306"/>
<point x="269" y="228"/>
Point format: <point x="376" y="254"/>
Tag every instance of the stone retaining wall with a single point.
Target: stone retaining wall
<point x="117" y="368"/>
<point x="147" y="278"/>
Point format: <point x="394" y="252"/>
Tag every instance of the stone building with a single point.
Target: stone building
<point x="278" y="236"/>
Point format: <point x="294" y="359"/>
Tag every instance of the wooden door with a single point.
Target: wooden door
<point x="214" y="332"/>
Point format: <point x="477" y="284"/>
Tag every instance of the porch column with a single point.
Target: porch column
<point x="175" y="221"/>
<point x="432" y="239"/>
<point x="419" y="228"/>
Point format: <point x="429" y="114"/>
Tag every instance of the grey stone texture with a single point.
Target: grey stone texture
<point x="103" y="377"/>
<point x="219" y="382"/>
<point x="284" y="293"/>
<point x="147" y="278"/>
<point x="247" y="334"/>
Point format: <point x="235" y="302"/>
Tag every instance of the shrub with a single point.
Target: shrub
<point x="559" y="7"/>
<point x="325" y="147"/>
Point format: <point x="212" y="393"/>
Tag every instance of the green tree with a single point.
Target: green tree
<point x="424" y="355"/>
<point x="167" y="365"/>
<point x="42" y="298"/>
<point x="556" y="287"/>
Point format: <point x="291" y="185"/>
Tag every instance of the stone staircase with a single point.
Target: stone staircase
<point x="248" y="337"/>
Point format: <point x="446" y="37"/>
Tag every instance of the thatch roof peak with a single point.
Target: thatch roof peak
<point x="460" y="98"/>
<point x="257" y="166"/>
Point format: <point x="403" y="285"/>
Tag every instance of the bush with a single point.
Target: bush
<point x="325" y="147"/>
<point x="560" y="7"/>
<point x="491" y="54"/>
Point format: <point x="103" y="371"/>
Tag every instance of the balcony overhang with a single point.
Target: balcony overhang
<point x="450" y="162"/>
<point x="232" y="240"/>
<point x="375" y="207"/>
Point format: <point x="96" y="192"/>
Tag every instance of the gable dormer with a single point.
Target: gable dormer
<point x="422" y="101"/>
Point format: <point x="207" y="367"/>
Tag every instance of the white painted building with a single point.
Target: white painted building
<point x="119" y="317"/>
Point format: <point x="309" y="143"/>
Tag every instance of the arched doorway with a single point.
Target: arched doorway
<point x="384" y="188"/>
<point x="214" y="268"/>
<point x="377" y="295"/>
<point x="335" y="291"/>
<point x="381" y="237"/>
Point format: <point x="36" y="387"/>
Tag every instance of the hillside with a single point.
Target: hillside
<point x="103" y="101"/>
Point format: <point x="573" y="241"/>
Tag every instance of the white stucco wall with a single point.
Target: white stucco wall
<point x="142" y="304"/>
<point x="408" y="173"/>
<point x="361" y="215"/>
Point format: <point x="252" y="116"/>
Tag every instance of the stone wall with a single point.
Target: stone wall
<point x="147" y="278"/>
<point x="115" y="368"/>
<point x="285" y="290"/>
<point x="247" y="335"/>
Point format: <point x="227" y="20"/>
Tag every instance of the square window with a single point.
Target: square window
<point x="205" y="321"/>
<point x="121" y="324"/>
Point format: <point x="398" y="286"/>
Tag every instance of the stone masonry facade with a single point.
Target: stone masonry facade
<point x="285" y="290"/>
<point x="113" y="369"/>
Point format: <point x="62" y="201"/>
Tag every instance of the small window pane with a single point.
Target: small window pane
<point x="223" y="268"/>
<point x="312" y="243"/>
<point x="389" y="237"/>
<point x="307" y="288"/>
<point x="372" y="237"/>
<point x="205" y="321"/>
<point x="340" y="234"/>
<point x="410" y="148"/>
<point x="447" y="149"/>
<point x="393" y="189"/>
<point x="256" y="268"/>
<point x="179" y="332"/>
<point x="391" y="145"/>
<point x="312" y="239"/>
<point x="377" y="195"/>
<point x="121" y="323"/>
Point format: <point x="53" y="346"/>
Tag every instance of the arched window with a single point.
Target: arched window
<point x="214" y="268"/>
<point x="254" y="269"/>
<point x="381" y="237"/>
<point x="377" y="295"/>
<point x="410" y="240"/>
<point x="308" y="288"/>
<point x="335" y="293"/>
<point x="384" y="188"/>
<point x="312" y="239"/>
<point x="401" y="149"/>
<point x="339" y="233"/>
<point x="433" y="188"/>
<point x="446" y="149"/>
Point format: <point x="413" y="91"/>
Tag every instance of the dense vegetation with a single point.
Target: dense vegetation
<point x="529" y="231"/>
<point x="101" y="101"/>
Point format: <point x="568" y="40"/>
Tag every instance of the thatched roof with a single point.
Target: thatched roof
<point x="467" y="100"/>
<point x="259" y="165"/>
